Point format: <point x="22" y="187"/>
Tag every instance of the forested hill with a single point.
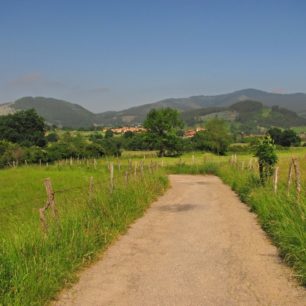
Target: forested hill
<point x="64" y="113"/>
<point x="247" y="116"/>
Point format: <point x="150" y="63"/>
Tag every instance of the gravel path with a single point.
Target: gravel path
<point x="197" y="245"/>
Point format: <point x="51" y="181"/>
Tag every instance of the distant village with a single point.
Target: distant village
<point x="139" y="129"/>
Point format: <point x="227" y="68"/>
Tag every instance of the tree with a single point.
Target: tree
<point x="162" y="127"/>
<point x="215" y="138"/>
<point x="24" y="127"/>
<point x="286" y="138"/>
<point x="267" y="158"/>
<point x="276" y="135"/>
<point x="290" y="138"/>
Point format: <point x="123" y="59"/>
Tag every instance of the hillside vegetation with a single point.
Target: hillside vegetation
<point x="247" y="116"/>
<point x="63" y="113"/>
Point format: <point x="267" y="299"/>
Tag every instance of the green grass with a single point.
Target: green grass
<point x="34" y="267"/>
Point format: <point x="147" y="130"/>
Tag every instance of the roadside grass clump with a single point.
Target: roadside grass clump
<point x="34" y="266"/>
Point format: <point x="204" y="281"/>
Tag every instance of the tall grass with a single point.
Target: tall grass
<point x="34" y="267"/>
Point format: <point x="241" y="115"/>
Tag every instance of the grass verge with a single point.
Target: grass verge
<point x="34" y="267"/>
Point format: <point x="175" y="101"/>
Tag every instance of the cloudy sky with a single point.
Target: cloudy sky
<point x="110" y="55"/>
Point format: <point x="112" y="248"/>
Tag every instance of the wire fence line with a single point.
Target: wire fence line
<point x="136" y="171"/>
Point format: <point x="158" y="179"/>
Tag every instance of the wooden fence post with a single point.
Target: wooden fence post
<point x="296" y="166"/>
<point x="50" y="196"/>
<point x="289" y="177"/>
<point x="275" y="179"/>
<point x="49" y="203"/>
<point x="111" y="170"/>
<point x="126" y="177"/>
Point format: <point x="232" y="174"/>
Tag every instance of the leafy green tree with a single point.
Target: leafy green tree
<point x="24" y="127"/>
<point x="276" y="135"/>
<point x="290" y="138"/>
<point x="215" y="138"/>
<point x="267" y="158"/>
<point x="162" y="127"/>
<point x="286" y="138"/>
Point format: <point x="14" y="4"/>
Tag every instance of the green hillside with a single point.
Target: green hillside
<point x="248" y="116"/>
<point x="235" y="107"/>
<point x="58" y="112"/>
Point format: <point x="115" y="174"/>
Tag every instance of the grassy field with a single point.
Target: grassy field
<point x="35" y="266"/>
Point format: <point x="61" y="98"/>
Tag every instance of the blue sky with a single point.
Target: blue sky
<point x="110" y="55"/>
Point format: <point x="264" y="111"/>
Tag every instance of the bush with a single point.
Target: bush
<point x="267" y="158"/>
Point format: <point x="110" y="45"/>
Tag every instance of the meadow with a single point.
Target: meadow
<point x="35" y="265"/>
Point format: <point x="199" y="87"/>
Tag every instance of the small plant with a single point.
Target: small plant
<point x="267" y="158"/>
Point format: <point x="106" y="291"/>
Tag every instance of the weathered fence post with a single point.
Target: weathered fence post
<point x="50" y="196"/>
<point x="126" y="177"/>
<point x="296" y="166"/>
<point x="111" y="170"/>
<point x="49" y="203"/>
<point x="275" y="179"/>
<point x="289" y="177"/>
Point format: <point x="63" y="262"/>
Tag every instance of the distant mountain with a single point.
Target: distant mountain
<point x="58" y="112"/>
<point x="63" y="113"/>
<point x="295" y="102"/>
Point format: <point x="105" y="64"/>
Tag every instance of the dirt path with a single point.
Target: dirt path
<point x="197" y="245"/>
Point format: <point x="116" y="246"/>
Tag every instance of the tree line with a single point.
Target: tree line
<point x="25" y="136"/>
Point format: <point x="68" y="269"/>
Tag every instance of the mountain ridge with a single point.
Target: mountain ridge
<point x="64" y="113"/>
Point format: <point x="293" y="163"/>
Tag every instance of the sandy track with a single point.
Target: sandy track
<point x="197" y="245"/>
